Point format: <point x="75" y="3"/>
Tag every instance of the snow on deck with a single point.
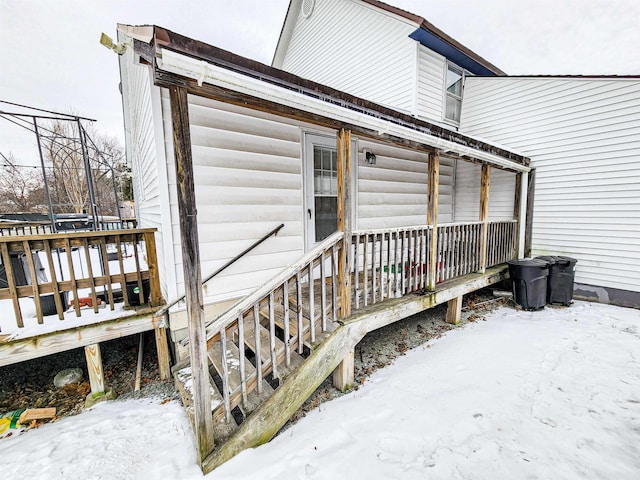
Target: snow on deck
<point x="550" y="394"/>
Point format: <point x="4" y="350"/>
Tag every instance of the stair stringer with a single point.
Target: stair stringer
<point x="270" y="417"/>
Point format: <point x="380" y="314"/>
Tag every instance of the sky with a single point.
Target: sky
<point x="50" y="56"/>
<point x="547" y="394"/>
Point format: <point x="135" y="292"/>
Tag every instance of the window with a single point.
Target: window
<point x="453" y="92"/>
<point x="325" y="191"/>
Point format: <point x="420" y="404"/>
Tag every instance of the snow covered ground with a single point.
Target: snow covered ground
<point x="550" y="394"/>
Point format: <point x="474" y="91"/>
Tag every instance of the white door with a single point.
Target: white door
<point x="321" y="187"/>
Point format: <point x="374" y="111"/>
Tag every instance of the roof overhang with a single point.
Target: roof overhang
<point x="215" y="73"/>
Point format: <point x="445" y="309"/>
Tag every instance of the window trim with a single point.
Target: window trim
<point x="463" y="74"/>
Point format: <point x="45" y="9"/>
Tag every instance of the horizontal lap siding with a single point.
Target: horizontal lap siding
<point x="583" y="136"/>
<point x="393" y="192"/>
<point x="431" y="71"/>
<point x="248" y="180"/>
<point x="356" y="49"/>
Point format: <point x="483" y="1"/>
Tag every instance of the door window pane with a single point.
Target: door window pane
<point x="326" y="216"/>
<point x="325" y="191"/>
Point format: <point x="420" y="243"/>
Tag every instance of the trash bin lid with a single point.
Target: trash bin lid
<point x="550" y="259"/>
<point x="558" y="260"/>
<point x="566" y="260"/>
<point x="530" y="262"/>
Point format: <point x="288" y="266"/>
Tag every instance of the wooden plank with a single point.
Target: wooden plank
<point x="299" y="311"/>
<point x="21" y="350"/>
<point x="286" y="327"/>
<point x="323" y="293"/>
<point x="162" y="350"/>
<point x="136" y="386"/>
<point x="454" y="310"/>
<point x="528" y="232"/>
<point x="54" y="280"/>
<point x="136" y="257"/>
<point x="155" y="292"/>
<point x="11" y="280"/>
<point x="374" y="276"/>
<point x="432" y="216"/>
<point x="365" y="270"/>
<point x="272" y="330"/>
<point x="37" y="414"/>
<point x="34" y="280"/>
<point x="311" y="300"/>
<point x="123" y="281"/>
<point x="94" y="366"/>
<point x="87" y="256"/>
<point x="223" y="372"/>
<point x="485" y="185"/>
<point x="255" y="343"/>
<point x="105" y="261"/>
<point x="242" y="364"/>
<point x="191" y="268"/>
<point x="343" y="145"/>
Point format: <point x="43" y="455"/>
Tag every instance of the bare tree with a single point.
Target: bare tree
<point x="20" y="189"/>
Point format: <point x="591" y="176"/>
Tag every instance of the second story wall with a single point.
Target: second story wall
<point x="358" y="49"/>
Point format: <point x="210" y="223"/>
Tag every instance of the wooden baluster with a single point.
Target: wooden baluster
<point x="54" y="279"/>
<point x="403" y="287"/>
<point x="241" y="359"/>
<point x="155" y="291"/>
<point x="365" y="261"/>
<point x="138" y="273"/>
<point x="256" y="336"/>
<point x="272" y="337"/>
<point x="34" y="279"/>
<point x="11" y="281"/>
<point x="381" y="268"/>
<point x="92" y="283"/>
<point x="107" y="273"/>
<point x="374" y="275"/>
<point x="225" y="374"/>
<point x="388" y="289"/>
<point x="123" y="279"/>
<point x="334" y="285"/>
<point x="72" y="276"/>
<point x="287" y="336"/>
<point x="312" y="309"/>
<point x="299" y="309"/>
<point x="323" y="292"/>
<point x="356" y="270"/>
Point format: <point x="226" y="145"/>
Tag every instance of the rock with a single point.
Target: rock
<point x="67" y="376"/>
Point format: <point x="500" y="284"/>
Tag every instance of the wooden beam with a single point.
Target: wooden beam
<point x="432" y="217"/>
<point x="344" y="374"/>
<point x="485" y="184"/>
<point x="454" y="310"/>
<point x="203" y="420"/>
<point x="94" y="366"/>
<point x="343" y="141"/>
<point x="343" y="144"/>
<point x="155" y="296"/>
<point x="162" y="349"/>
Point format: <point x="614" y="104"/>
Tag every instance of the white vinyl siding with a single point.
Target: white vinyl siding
<point x="248" y="180"/>
<point x="393" y="192"/>
<point x="371" y="57"/>
<point x="583" y="137"/>
<point x="140" y="137"/>
<point x="431" y="71"/>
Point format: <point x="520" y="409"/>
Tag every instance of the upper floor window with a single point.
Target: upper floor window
<point x="453" y="92"/>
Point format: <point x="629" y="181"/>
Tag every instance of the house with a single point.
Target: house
<point x="224" y="150"/>
<point x="582" y="133"/>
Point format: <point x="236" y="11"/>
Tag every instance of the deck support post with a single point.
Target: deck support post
<point x="485" y="183"/>
<point x="344" y="375"/>
<point x="345" y="370"/>
<point x="454" y="310"/>
<point x="162" y="350"/>
<point x="203" y="420"/>
<point x="155" y="296"/>
<point x="94" y="366"/>
<point x="432" y="217"/>
<point x="528" y="229"/>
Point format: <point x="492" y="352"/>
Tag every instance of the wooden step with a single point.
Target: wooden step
<point x="265" y="345"/>
<point x="233" y="370"/>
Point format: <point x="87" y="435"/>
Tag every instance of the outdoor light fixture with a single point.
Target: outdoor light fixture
<point x="369" y="157"/>
<point x="107" y="41"/>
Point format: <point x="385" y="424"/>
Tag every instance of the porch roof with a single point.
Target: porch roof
<point x="212" y="72"/>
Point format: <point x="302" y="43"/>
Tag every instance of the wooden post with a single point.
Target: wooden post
<point x="345" y="370"/>
<point x="432" y="216"/>
<point x="203" y="420"/>
<point x="344" y="221"/>
<point x="162" y="349"/>
<point x="454" y="310"/>
<point x="344" y="375"/>
<point x="520" y="212"/>
<point x="485" y="181"/>
<point x="94" y="366"/>
<point x="155" y="296"/>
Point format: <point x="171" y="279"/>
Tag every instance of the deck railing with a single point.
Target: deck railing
<point x="389" y="263"/>
<point x="502" y="242"/>
<point x="87" y="265"/>
<point x="458" y="250"/>
<point x="12" y="229"/>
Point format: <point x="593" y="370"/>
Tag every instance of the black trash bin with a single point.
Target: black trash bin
<point x="133" y="292"/>
<point x="48" y="303"/>
<point x="560" y="283"/>
<point x="529" y="280"/>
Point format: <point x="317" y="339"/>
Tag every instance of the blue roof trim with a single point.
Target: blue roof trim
<point x="445" y="49"/>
